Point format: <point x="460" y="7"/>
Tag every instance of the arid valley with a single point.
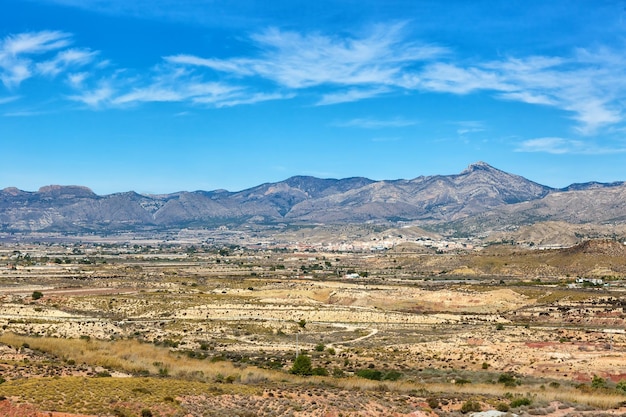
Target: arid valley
<point x="357" y="208"/>
<point x="173" y="329"/>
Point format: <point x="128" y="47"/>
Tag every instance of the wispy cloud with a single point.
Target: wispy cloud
<point x="386" y="139"/>
<point x="296" y="60"/>
<point x="351" y="95"/>
<point x="16" y="51"/>
<point x="96" y="97"/>
<point x="587" y="84"/>
<point x="64" y="60"/>
<point x="9" y="99"/>
<point x="469" y="126"/>
<point x="77" y="79"/>
<point x="35" y="42"/>
<point x="371" y="123"/>
<point x="195" y="91"/>
<point x="559" y="146"/>
<point x="24" y="113"/>
<point x="246" y="98"/>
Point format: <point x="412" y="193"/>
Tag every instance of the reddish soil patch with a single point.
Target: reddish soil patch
<point x="8" y="409"/>
<point x="539" y="345"/>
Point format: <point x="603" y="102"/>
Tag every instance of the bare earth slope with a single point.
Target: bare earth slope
<point x="298" y="199"/>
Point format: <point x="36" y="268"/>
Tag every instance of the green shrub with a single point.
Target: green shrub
<point x="319" y="371"/>
<point x="37" y="295"/>
<point x="508" y="380"/>
<point x="433" y="403"/>
<point x="462" y="381"/>
<point x="518" y="402"/>
<point x="470" y="406"/>
<point x="392" y="376"/>
<point x="598" y="382"/>
<point x="372" y="374"/>
<point x="504" y="407"/>
<point x="302" y="365"/>
<point x="319" y="347"/>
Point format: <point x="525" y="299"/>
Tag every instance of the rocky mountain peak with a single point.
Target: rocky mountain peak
<point x="71" y="190"/>
<point x="12" y="191"/>
<point x="479" y="166"/>
<point x="479" y="189"/>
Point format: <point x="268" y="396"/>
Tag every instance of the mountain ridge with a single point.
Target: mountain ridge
<point x="476" y="193"/>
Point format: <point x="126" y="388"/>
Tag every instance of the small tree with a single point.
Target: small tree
<point x="37" y="295"/>
<point x="302" y="365"/>
<point x="598" y="382"/>
<point x="470" y="406"/>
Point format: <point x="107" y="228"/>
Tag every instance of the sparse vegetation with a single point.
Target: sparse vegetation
<point x="470" y="406"/>
<point x="302" y="365"/>
<point x="179" y="324"/>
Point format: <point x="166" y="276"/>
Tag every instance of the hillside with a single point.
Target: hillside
<point x="481" y="200"/>
<point x="297" y="200"/>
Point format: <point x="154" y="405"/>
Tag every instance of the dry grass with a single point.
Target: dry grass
<point x="102" y="395"/>
<point x="598" y="399"/>
<point x="133" y="357"/>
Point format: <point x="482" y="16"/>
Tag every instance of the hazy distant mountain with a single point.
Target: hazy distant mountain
<point x="592" y="205"/>
<point x="591" y="185"/>
<point x="480" y="197"/>
<point x="434" y="198"/>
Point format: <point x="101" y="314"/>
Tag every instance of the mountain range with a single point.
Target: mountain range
<point x="479" y="198"/>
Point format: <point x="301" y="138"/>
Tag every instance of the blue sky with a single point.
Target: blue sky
<point x="162" y="95"/>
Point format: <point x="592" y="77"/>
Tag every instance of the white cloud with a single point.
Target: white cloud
<point x="528" y="97"/>
<point x="251" y="99"/>
<point x="16" y="64"/>
<point x="13" y="72"/>
<point x="386" y="139"/>
<point x="236" y="66"/>
<point x="96" y="97"/>
<point x="195" y="91"/>
<point x="34" y="42"/>
<point x="469" y="126"/>
<point x="351" y="95"/>
<point x="559" y="146"/>
<point x="77" y="79"/>
<point x="588" y="84"/>
<point x="23" y="113"/>
<point x="9" y="99"/>
<point x="449" y="78"/>
<point x="64" y="60"/>
<point x="376" y="123"/>
<point x="296" y="60"/>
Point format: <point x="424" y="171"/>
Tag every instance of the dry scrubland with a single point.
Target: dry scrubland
<point x="137" y="330"/>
